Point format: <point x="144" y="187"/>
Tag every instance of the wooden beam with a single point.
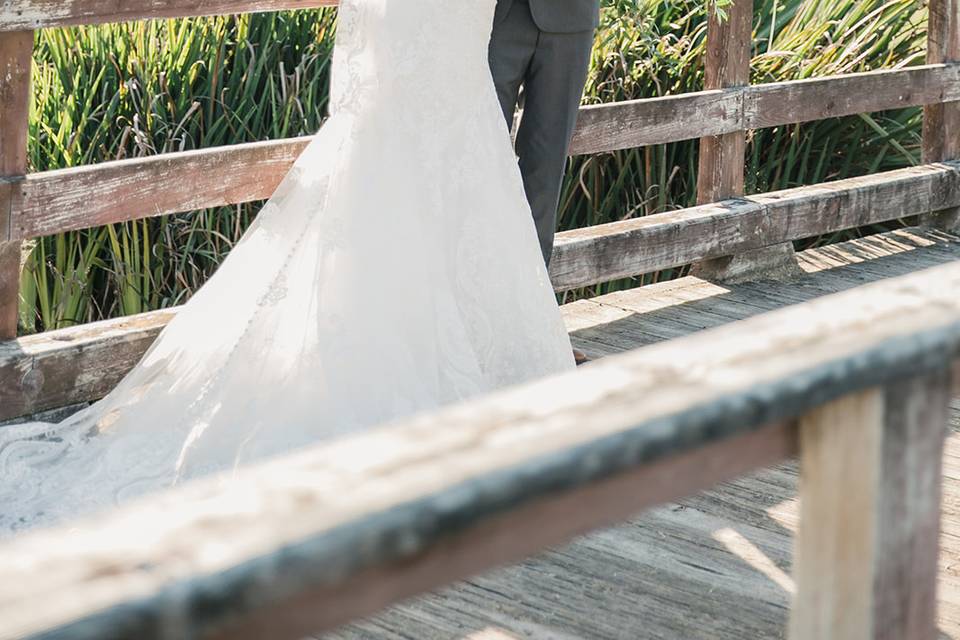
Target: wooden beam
<point x="16" y="50"/>
<point x="325" y="603"/>
<point x="60" y="201"/>
<point x="840" y="471"/>
<point x="778" y="103"/>
<point x="727" y="64"/>
<point x="722" y="161"/>
<point x="332" y="533"/>
<point x="916" y="418"/>
<point x="733" y="109"/>
<point x="638" y="123"/>
<point x="53" y="369"/>
<point x="78" y="364"/>
<point x="40" y="14"/>
<point x="941" y="122"/>
<point x="93" y="195"/>
<point x="601" y="253"/>
<point x="107" y="192"/>
<point x="866" y="559"/>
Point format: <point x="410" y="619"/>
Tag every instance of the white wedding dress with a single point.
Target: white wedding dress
<point x="395" y="269"/>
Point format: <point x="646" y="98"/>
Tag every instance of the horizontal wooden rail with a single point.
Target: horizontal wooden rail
<point x="642" y="245"/>
<point x="83" y="363"/>
<point x="69" y="199"/>
<point x="79" y="364"/>
<point x="93" y="195"/>
<point x="38" y="14"/>
<point x="310" y="541"/>
<point x="777" y="103"/>
<point x="637" y="123"/>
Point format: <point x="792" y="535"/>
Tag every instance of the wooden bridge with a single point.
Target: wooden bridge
<point x="843" y="357"/>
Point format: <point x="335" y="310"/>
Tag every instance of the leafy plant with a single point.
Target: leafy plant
<point x="649" y="48"/>
<point x="137" y="89"/>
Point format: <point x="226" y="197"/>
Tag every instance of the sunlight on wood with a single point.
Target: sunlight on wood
<point x="749" y="553"/>
<point x="490" y="634"/>
<point x="785" y="514"/>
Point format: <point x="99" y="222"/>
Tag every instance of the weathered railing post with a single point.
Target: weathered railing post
<point x="16" y="48"/>
<point x="941" y="121"/>
<point x="866" y="552"/>
<point x="722" y="161"/>
<point x="727" y="65"/>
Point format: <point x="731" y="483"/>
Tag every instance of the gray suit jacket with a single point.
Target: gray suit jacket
<point x="558" y="16"/>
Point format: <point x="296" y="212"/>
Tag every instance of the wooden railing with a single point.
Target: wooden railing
<point x="858" y="382"/>
<point x="33" y="205"/>
<point x="42" y="371"/>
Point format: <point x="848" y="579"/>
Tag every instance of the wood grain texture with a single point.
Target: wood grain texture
<point x="328" y="603"/>
<point x="503" y="462"/>
<point x="726" y="64"/>
<point x="16" y="49"/>
<point x="69" y="199"/>
<point x="637" y="123"/>
<point x="941" y="121"/>
<point x="80" y="364"/>
<point x="58" y="368"/>
<point x="778" y="103"/>
<point x="82" y="197"/>
<point x="722" y="158"/>
<point x="621" y="249"/>
<point x="129" y="189"/>
<point x="916" y="414"/>
<point x="837" y="546"/>
<point x="866" y="559"/>
<point x="37" y="14"/>
<point x="715" y="566"/>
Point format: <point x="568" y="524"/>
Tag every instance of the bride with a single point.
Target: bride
<point x="396" y="269"/>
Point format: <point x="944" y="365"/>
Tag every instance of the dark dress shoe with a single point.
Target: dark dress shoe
<point x="580" y="357"/>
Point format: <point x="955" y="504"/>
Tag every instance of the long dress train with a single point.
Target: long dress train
<point x="396" y="269"/>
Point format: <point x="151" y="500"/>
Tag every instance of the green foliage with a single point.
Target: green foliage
<point x="649" y="48"/>
<point x="136" y="89"/>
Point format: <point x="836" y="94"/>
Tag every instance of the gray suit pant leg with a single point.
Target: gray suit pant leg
<point x="552" y="67"/>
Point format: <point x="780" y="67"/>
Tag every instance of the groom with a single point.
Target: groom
<point x="543" y="46"/>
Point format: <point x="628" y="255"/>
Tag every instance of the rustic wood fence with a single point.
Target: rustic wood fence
<point x="858" y="383"/>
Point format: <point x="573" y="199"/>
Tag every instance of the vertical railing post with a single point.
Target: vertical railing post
<point x="727" y="64"/>
<point x="16" y="50"/>
<point x="865" y="561"/>
<point x="722" y="158"/>
<point x="941" y="122"/>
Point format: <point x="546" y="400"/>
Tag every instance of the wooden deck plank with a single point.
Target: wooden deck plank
<point x="716" y="565"/>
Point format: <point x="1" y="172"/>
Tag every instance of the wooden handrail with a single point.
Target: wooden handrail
<point x="941" y="121"/>
<point x="600" y="253"/>
<point x="335" y="532"/>
<point x="39" y="371"/>
<point x="68" y="199"/>
<point x="863" y="377"/>
<point x="40" y="14"/>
